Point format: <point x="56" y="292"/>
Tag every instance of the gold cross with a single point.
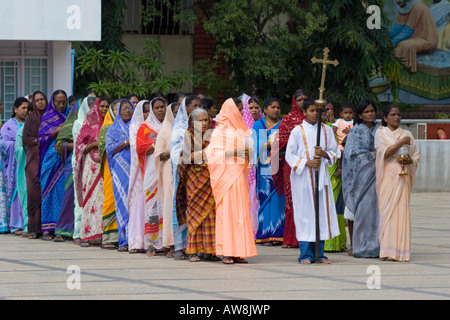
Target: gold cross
<point x="324" y="62"/>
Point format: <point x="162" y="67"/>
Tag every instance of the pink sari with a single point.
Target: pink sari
<point x="88" y="176"/>
<point x="393" y="193"/>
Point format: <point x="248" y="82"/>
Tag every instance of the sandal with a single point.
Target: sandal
<point x="123" y="248"/>
<point x="211" y="257"/>
<point x="77" y="241"/>
<point x="194" y="258"/>
<point x="228" y="260"/>
<point x="239" y="260"/>
<point x="18" y="232"/>
<point x="59" y="238"/>
<point x="109" y="246"/>
<point x="84" y="244"/>
<point x="151" y="252"/>
<point x="179" y="255"/>
<point x="47" y="237"/>
<point x="33" y="235"/>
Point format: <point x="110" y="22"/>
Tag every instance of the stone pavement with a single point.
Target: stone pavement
<point x="40" y="270"/>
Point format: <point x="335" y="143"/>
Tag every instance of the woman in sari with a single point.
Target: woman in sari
<point x="13" y="220"/>
<point x="281" y="171"/>
<point x="136" y="195"/>
<point x="51" y="166"/>
<point x="228" y="159"/>
<point x="64" y="146"/>
<point x="180" y="125"/>
<point x="252" y="113"/>
<point x="110" y="237"/>
<point x="21" y="159"/>
<point x="271" y="204"/>
<point x="165" y="187"/>
<point x="194" y="189"/>
<point x="393" y="188"/>
<point x="145" y="148"/>
<point x="117" y="146"/>
<point x="358" y="181"/>
<point x="339" y="242"/>
<point x="29" y="138"/>
<point x="88" y="176"/>
<point x="77" y="125"/>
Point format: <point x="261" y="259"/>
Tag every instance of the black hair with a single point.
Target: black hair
<point x="237" y="101"/>
<point x="129" y="96"/>
<point x="178" y="95"/>
<point x="159" y="95"/>
<point x="269" y="102"/>
<point x="17" y="103"/>
<point x="308" y="103"/>
<point x="72" y="99"/>
<point x="174" y="105"/>
<point x="59" y="91"/>
<point x="190" y="98"/>
<point x="253" y="99"/>
<point x="346" y="105"/>
<point x="103" y="99"/>
<point x="386" y="111"/>
<point x="208" y="103"/>
<point x="158" y="98"/>
<point x="360" y="109"/>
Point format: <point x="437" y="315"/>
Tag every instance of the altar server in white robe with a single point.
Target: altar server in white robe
<point x="300" y="152"/>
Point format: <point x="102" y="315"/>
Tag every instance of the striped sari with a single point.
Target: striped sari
<point x="136" y="198"/>
<point x="110" y="232"/>
<point x="195" y="200"/>
<point x="146" y="137"/>
<point x="51" y="168"/>
<point x="119" y="166"/>
<point x="88" y="176"/>
<point x="65" y="225"/>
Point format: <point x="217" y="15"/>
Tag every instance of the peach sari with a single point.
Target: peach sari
<point x="394" y="195"/>
<point x="229" y="183"/>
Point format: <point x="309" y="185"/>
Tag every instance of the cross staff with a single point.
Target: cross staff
<point x="321" y="103"/>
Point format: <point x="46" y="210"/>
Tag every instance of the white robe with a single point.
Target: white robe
<point x="303" y="182"/>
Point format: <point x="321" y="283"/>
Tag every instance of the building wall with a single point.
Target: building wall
<point x="177" y="52"/>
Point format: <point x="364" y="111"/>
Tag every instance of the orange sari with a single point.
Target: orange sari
<point x="229" y="183"/>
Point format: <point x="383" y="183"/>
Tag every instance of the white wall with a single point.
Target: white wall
<point x="433" y="172"/>
<point x="62" y="63"/>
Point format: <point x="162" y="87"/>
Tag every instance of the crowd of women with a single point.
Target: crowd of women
<point x="179" y="178"/>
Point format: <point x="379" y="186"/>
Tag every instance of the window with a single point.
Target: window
<point x="155" y="17"/>
<point x="23" y="70"/>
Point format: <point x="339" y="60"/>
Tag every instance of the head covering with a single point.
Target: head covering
<point x="248" y="118"/>
<point x="107" y="122"/>
<point x="118" y="132"/>
<point x="33" y="122"/>
<point x="229" y="134"/>
<point x="180" y="125"/>
<point x="288" y="123"/>
<point x="51" y="120"/>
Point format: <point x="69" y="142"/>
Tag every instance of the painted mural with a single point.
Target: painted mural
<point x="420" y="32"/>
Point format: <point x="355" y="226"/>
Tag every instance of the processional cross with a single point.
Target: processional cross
<point x="320" y="103"/>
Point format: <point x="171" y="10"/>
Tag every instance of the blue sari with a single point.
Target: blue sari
<point x="119" y="166"/>
<point x="51" y="171"/>
<point x="180" y="125"/>
<point x="271" y="205"/>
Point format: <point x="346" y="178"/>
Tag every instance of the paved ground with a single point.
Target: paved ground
<point x="35" y="269"/>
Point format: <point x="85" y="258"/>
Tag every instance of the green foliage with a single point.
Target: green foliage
<point x="119" y="73"/>
<point x="361" y="52"/>
<point x="256" y="41"/>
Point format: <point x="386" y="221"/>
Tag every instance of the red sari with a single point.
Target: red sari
<point x="281" y="173"/>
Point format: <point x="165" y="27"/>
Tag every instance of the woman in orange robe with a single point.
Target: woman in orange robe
<point x="228" y="166"/>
